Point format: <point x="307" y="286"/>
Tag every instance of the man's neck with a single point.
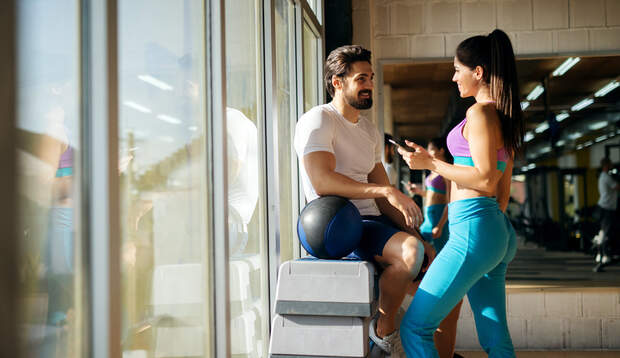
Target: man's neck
<point x="348" y="112"/>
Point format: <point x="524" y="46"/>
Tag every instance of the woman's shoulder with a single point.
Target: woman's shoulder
<point x="482" y="114"/>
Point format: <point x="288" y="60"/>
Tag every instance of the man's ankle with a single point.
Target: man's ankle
<point x="382" y="329"/>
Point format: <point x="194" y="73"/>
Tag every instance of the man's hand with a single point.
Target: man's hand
<point x="409" y="209"/>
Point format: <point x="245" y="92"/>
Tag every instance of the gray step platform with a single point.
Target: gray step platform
<point x="319" y="336"/>
<point x="312" y="286"/>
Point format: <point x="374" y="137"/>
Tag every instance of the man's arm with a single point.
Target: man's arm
<point x="320" y="167"/>
<point x="378" y="176"/>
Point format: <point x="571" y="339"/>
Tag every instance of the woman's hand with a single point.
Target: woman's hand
<point x="437" y="230"/>
<point x="418" y="159"/>
<point x="413" y="188"/>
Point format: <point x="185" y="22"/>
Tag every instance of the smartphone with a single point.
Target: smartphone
<point x="402" y="144"/>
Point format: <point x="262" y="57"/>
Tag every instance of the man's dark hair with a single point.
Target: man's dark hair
<point x="339" y="62"/>
<point x="605" y="162"/>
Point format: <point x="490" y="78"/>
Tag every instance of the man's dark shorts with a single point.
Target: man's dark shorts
<point x="376" y="231"/>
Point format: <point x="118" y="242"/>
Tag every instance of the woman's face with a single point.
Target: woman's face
<point x="465" y="78"/>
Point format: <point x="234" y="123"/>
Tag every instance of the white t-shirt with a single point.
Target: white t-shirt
<point x="356" y="146"/>
<point x="608" y="197"/>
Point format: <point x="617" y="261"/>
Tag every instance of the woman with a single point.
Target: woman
<point x="482" y="241"/>
<point x="435" y="192"/>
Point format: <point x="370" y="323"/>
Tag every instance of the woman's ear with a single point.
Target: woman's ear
<point x="478" y="72"/>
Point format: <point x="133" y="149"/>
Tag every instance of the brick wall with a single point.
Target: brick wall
<point x="431" y="29"/>
<point x="567" y="319"/>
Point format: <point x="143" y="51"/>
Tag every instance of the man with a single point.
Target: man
<point x="607" y="202"/>
<point x="340" y="154"/>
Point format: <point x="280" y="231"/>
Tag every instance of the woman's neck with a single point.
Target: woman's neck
<point x="484" y="95"/>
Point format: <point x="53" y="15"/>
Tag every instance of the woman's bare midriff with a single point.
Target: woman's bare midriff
<point x="460" y="192"/>
<point x="434" y="198"/>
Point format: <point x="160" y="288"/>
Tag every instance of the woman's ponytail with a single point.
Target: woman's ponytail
<point x="495" y="55"/>
<point x="504" y="89"/>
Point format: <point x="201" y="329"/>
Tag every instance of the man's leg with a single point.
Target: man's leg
<point x="402" y="259"/>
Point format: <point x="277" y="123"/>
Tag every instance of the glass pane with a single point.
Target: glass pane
<point x="311" y="69"/>
<point x="313" y="5"/>
<point x="48" y="127"/>
<point x="249" y="326"/>
<point x="162" y="168"/>
<point x="285" y="63"/>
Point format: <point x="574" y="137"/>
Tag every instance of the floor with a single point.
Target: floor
<point x="584" y="354"/>
<point x="535" y="267"/>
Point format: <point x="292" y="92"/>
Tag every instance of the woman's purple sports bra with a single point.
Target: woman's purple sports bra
<point x="459" y="148"/>
<point x="437" y="184"/>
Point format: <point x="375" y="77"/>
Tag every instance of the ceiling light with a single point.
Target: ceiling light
<point x="155" y="82"/>
<point x="579" y="146"/>
<point x="562" y="116"/>
<point x="565" y="66"/>
<point x="528" y="136"/>
<point x="137" y="107"/>
<point x="169" y="119"/>
<point x="192" y="128"/>
<point x="601" y="138"/>
<point x="575" y="135"/>
<point x="588" y="143"/>
<point x="542" y="127"/>
<point x="607" y="88"/>
<point x="524" y="105"/>
<point x="531" y="166"/>
<point x="546" y="149"/>
<point x="582" y="104"/>
<point x="536" y="92"/>
<point x="523" y="169"/>
<point x="598" y="125"/>
<point x="560" y="143"/>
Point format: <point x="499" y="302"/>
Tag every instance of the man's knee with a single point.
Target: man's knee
<point x="413" y="255"/>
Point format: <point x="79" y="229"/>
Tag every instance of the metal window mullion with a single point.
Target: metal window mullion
<point x="9" y="248"/>
<point x="219" y="176"/>
<point x="299" y="55"/>
<point x="103" y="194"/>
<point x="271" y="116"/>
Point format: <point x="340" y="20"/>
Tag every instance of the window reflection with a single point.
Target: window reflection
<point x="47" y="156"/>
<point x="162" y="178"/>
<point x="284" y="27"/>
<point x="249" y="313"/>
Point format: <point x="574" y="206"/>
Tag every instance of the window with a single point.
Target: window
<point x="249" y="310"/>
<point x="48" y="153"/>
<point x="311" y="67"/>
<point x="286" y="89"/>
<point x="162" y="169"/>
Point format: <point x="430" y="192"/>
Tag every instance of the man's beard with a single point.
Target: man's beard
<point x="359" y="103"/>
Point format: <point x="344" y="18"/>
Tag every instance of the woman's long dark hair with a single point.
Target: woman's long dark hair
<point x="495" y="55"/>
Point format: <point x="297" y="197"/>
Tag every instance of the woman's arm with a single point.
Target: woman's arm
<point x="503" y="188"/>
<point x="437" y="230"/>
<point x="482" y="129"/>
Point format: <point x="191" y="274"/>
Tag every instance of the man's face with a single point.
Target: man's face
<point x="357" y="85"/>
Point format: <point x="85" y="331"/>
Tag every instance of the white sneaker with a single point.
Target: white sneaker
<point x="390" y="344"/>
<point x="597" y="258"/>
<point x="605" y="259"/>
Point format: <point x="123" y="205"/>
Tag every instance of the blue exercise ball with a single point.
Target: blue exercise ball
<point x="329" y="227"/>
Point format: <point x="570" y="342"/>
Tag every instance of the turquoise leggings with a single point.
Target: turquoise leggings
<point x="432" y="215"/>
<point x="473" y="262"/>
